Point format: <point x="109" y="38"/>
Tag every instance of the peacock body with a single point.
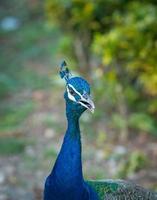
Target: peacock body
<point x="66" y="181"/>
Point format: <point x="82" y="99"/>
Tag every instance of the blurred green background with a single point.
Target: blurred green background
<point x="113" y="43"/>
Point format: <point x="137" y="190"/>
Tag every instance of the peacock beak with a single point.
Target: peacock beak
<point x="87" y="102"/>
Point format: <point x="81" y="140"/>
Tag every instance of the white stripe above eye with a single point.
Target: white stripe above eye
<point x="70" y="96"/>
<point x="75" y="90"/>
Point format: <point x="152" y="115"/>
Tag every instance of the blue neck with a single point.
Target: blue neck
<point x="68" y="166"/>
<point x="66" y="179"/>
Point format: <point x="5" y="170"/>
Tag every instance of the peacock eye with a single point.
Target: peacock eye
<point x="72" y="92"/>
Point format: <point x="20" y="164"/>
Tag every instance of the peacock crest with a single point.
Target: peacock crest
<point x="64" y="71"/>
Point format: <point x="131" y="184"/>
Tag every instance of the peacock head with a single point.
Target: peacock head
<point x="77" y="93"/>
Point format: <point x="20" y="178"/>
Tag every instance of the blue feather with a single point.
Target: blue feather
<point x="64" y="71"/>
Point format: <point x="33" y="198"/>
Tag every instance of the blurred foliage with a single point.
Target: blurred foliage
<point x="6" y="85"/>
<point x="118" y="40"/>
<point x="143" y="122"/>
<point x="20" y="48"/>
<point x="11" y="145"/>
<point x="12" y="116"/>
<point x="113" y="44"/>
<point x="50" y="152"/>
<point x="135" y="162"/>
<point x="129" y="52"/>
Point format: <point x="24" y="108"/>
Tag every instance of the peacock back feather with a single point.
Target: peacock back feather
<point x="121" y="190"/>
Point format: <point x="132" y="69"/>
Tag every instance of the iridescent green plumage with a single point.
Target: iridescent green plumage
<point x="121" y="190"/>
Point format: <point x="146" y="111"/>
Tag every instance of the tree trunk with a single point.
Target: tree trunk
<point x="82" y="54"/>
<point x="123" y="111"/>
<point x="122" y="104"/>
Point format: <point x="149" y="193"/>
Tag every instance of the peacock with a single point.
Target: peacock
<point x="66" y="181"/>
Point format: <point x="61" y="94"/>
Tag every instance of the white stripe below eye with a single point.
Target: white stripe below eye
<point x="70" y="96"/>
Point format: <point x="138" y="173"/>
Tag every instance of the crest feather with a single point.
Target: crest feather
<point x="64" y="71"/>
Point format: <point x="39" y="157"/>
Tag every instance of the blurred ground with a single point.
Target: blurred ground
<point x="32" y="121"/>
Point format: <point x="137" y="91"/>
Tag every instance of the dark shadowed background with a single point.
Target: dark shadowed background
<point x="111" y="43"/>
